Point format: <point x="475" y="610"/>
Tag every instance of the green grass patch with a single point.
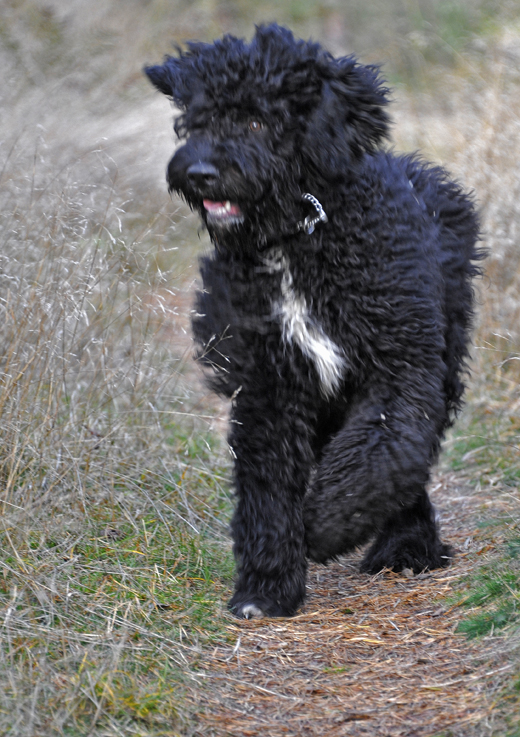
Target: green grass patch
<point x="108" y="622"/>
<point x="488" y="444"/>
<point x="485" y="448"/>
<point x="494" y="596"/>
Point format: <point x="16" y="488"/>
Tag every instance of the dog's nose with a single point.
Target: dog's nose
<point x="202" y="173"/>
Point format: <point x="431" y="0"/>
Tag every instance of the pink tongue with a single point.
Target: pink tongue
<point x="212" y="206"/>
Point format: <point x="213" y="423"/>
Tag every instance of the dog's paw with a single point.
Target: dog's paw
<point x="407" y="557"/>
<point x="246" y="605"/>
<point x="248" y="611"/>
<point x="254" y="607"/>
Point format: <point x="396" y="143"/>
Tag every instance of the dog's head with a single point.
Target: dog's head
<point x="263" y="123"/>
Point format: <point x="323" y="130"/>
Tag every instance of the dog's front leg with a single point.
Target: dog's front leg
<point x="273" y="457"/>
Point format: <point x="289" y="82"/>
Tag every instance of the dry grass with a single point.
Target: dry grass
<point x="113" y="545"/>
<point x="112" y="533"/>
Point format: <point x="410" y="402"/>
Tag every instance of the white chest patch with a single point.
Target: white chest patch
<point x="299" y="327"/>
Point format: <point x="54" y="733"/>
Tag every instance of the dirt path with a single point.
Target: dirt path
<point x="367" y="656"/>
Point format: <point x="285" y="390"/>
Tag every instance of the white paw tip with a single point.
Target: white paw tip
<point x="251" y="611"/>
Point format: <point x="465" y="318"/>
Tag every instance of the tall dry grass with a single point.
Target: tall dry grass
<point x="486" y="132"/>
<point x="114" y="510"/>
<point x="473" y="127"/>
<point x="79" y="330"/>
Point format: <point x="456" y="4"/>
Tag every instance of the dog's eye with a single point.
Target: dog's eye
<point x="255" y="126"/>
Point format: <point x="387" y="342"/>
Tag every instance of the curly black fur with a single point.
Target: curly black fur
<point x="343" y="350"/>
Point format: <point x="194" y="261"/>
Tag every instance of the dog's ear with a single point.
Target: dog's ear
<point x="176" y="78"/>
<point x="350" y="118"/>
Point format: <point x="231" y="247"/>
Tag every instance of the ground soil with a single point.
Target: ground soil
<point x="367" y="655"/>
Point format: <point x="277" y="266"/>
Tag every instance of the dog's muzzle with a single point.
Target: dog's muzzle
<point x="202" y="177"/>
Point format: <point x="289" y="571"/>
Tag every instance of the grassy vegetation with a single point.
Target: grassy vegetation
<point x="478" y="138"/>
<point x="485" y="450"/>
<point x="115" y="558"/>
<point x="484" y="447"/>
<point x="115" y="503"/>
<point x="100" y="52"/>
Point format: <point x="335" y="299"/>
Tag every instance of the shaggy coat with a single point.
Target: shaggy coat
<point x="341" y="341"/>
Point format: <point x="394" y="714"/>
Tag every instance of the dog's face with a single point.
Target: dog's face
<point x="225" y="168"/>
<point x="261" y="122"/>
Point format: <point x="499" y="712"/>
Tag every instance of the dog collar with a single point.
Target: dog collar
<point x="309" y="223"/>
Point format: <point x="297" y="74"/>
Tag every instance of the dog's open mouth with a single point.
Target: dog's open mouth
<point x="222" y="213"/>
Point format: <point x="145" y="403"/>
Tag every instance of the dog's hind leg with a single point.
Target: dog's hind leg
<point x="372" y="477"/>
<point x="409" y="539"/>
<point x="273" y="457"/>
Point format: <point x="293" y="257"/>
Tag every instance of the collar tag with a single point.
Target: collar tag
<point x="309" y="223"/>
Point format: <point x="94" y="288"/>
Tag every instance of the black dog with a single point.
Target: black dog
<point x="335" y="309"/>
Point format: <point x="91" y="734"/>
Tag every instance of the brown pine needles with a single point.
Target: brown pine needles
<point x="368" y="655"/>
